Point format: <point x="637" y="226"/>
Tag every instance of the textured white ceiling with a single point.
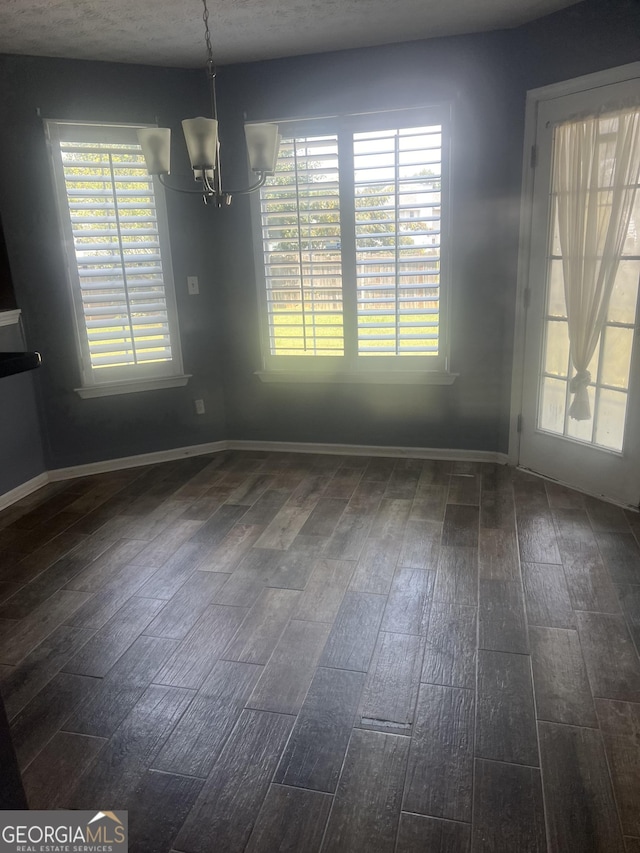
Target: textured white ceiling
<point x="169" y="32"/>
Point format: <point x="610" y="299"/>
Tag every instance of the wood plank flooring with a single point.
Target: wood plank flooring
<point x="327" y="654"/>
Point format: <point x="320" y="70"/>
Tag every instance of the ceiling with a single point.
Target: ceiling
<point x="169" y="32"/>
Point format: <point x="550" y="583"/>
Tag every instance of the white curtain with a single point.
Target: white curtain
<point x="596" y="168"/>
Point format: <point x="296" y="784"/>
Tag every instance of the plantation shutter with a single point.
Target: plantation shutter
<point x="301" y="242"/>
<point x="352" y="239"/>
<point x="397" y="186"/>
<point x="119" y="268"/>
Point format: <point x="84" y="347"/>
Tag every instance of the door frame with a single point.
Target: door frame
<point x="534" y="98"/>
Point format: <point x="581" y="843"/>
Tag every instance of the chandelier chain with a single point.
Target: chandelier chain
<point x="202" y="142"/>
<point x="207" y="37"/>
<point x="211" y="67"/>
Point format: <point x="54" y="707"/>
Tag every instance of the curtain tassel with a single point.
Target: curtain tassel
<point x="580" y="409"/>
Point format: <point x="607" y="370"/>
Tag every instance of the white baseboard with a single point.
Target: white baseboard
<point x="23" y="490"/>
<point x="136" y="461"/>
<point x="372" y="450"/>
<point x="58" y="474"/>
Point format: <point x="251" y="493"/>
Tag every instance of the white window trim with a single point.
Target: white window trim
<point x="410" y="370"/>
<point x="401" y="376"/>
<point x="132" y="386"/>
<point x="10" y="317"/>
<point x="112" y="381"/>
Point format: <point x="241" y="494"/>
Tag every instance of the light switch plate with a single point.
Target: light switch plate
<point x="192" y="285"/>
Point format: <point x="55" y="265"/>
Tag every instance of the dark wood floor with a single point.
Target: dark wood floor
<point x="286" y="652"/>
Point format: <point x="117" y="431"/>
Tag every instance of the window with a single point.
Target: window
<point x="119" y="266"/>
<point x="351" y="246"/>
<point x="612" y="360"/>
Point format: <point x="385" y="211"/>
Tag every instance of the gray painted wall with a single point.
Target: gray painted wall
<point x="77" y="431"/>
<point x="486" y="76"/>
<point x="472" y="73"/>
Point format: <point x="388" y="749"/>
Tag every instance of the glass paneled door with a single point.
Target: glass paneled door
<point x="600" y="452"/>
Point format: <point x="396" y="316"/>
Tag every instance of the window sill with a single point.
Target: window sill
<point x="377" y="377"/>
<point x="131" y="386"/>
<point x="10" y="317"/>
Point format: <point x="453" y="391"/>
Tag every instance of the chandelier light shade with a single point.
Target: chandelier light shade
<point x="201" y="136"/>
<point x="263" y="142"/>
<point x="156" y="147"/>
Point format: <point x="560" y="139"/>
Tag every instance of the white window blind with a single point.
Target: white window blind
<point x="300" y="219"/>
<point x="353" y="243"/>
<point x="397" y="175"/>
<point x="118" y="256"/>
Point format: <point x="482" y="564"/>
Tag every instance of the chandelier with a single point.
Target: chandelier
<point x="203" y="146"/>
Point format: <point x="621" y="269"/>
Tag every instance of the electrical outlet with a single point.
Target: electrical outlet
<point x="192" y="285"/>
<point x="199" y="405"/>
